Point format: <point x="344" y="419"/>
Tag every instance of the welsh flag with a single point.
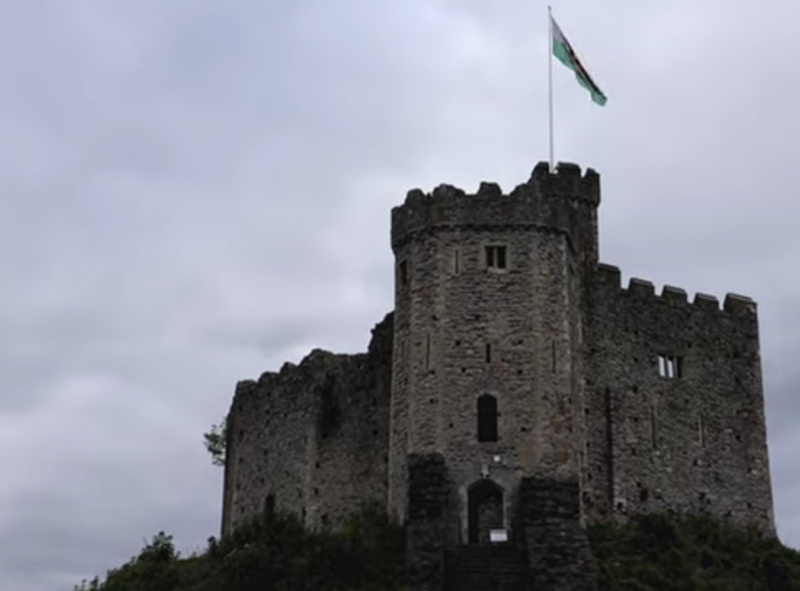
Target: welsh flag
<point x="566" y="55"/>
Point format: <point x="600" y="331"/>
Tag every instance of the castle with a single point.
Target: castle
<point x="512" y="357"/>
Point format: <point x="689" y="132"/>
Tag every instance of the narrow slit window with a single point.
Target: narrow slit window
<point x="496" y="258"/>
<point x="403" y="272"/>
<point x="701" y="431"/>
<point x="553" y="348"/>
<point x="456" y="262"/>
<point x="269" y="506"/>
<point x="488" y="352"/>
<point x="487" y="418"/>
<point x="653" y="427"/>
<point x="427" y="351"/>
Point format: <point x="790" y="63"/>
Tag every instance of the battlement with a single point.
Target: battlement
<point x="546" y="200"/>
<point x="609" y="278"/>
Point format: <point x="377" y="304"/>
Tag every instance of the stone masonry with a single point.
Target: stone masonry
<point x="515" y="357"/>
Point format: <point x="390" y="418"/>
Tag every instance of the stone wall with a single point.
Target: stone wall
<point x="464" y="330"/>
<point x="689" y="443"/>
<point x="559" y="555"/>
<point x="570" y="356"/>
<point x="426" y="526"/>
<point x="313" y="436"/>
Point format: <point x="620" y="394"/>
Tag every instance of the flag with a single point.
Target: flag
<point x="566" y="55"/>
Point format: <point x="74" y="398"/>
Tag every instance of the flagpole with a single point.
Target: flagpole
<point x="550" y="84"/>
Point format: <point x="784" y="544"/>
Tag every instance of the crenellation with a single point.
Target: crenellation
<point x="287" y="368"/>
<point x="641" y="288"/>
<point x="567" y="181"/>
<point x="513" y="361"/>
<point x="739" y="305"/>
<point x="674" y="295"/>
<point x="266" y="380"/>
<point x="245" y="387"/>
<point x="489" y="191"/>
<point x="706" y="302"/>
<point x="448" y="192"/>
<point x="608" y="279"/>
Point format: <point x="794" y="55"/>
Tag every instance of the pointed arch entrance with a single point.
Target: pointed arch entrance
<point x="484" y="511"/>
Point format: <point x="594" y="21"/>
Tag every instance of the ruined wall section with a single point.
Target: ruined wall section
<point x="352" y="435"/>
<point x="693" y="442"/>
<point x="313" y="436"/>
<point x="463" y="330"/>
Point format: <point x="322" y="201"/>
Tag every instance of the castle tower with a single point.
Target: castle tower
<point x="487" y="357"/>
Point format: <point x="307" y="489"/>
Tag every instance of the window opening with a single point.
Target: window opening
<point x="701" y="431"/>
<point x="496" y="257"/>
<point x="487" y="418"/>
<point x="427" y="351"/>
<point x="670" y="367"/>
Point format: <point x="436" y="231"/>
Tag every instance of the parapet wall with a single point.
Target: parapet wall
<point x="312" y="437"/>
<point x="546" y="200"/>
<point x="675" y="404"/>
<point x="609" y="279"/>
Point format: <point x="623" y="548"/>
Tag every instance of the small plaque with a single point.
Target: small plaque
<point x="498" y="535"/>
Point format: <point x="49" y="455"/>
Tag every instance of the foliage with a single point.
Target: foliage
<point x="215" y="442"/>
<point x="662" y="553"/>
<point x="155" y="569"/>
<point x="276" y="553"/>
<point x="271" y="553"/>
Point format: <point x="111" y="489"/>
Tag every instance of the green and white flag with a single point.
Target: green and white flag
<point x="566" y="55"/>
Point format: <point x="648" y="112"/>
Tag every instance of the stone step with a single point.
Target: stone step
<point x="496" y="567"/>
<point x="491" y="587"/>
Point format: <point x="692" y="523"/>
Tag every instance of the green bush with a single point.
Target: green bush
<point x="651" y="553"/>
<point x="271" y="554"/>
<point x="662" y="553"/>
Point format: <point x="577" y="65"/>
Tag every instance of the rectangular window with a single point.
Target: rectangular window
<point x="403" y="272"/>
<point x="488" y="353"/>
<point x="670" y="367"/>
<point x="496" y="258"/>
<point x="487" y="418"/>
<point x="456" y="262"/>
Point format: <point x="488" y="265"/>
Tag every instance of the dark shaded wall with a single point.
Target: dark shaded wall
<point x="314" y="436"/>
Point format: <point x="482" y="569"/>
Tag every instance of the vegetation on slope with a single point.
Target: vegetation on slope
<point x="270" y="555"/>
<point x="661" y="553"/>
<point x="652" y="553"/>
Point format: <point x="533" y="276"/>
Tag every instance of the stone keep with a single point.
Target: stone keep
<point x="513" y="355"/>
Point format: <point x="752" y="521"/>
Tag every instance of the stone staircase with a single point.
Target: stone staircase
<point x="495" y="567"/>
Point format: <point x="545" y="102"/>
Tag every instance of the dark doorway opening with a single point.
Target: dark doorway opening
<point x="484" y="511"/>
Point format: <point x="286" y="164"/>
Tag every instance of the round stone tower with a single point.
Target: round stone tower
<point x="489" y="297"/>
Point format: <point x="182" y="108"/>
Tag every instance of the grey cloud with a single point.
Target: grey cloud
<point x="191" y="194"/>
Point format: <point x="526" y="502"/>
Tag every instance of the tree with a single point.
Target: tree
<point x="215" y="442"/>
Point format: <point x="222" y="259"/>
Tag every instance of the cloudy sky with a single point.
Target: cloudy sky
<point x="193" y="191"/>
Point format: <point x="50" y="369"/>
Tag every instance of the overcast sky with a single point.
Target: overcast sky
<point x="193" y="191"/>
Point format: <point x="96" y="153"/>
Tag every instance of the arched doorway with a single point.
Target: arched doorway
<point x="484" y="511"/>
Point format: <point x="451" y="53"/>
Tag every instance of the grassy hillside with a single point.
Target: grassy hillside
<point x="655" y="553"/>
